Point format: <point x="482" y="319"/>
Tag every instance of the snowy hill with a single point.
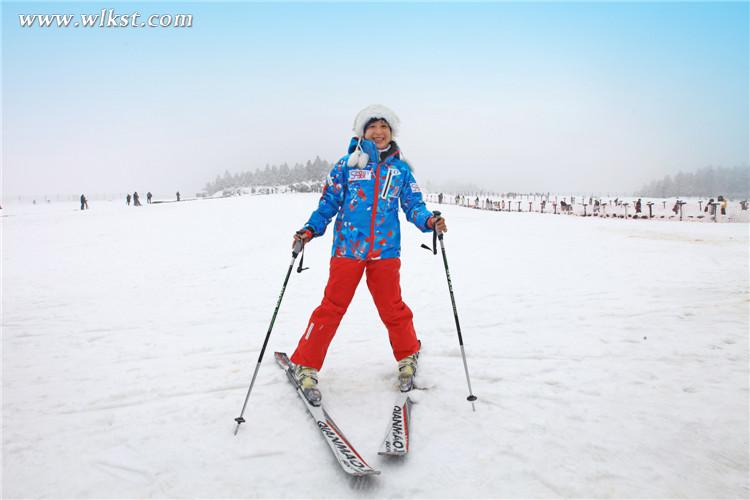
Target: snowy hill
<point x="610" y="358"/>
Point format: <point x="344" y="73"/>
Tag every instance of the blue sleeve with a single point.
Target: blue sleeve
<point x="330" y="201"/>
<point x="413" y="204"/>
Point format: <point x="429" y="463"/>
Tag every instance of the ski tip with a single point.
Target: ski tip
<point x="391" y="454"/>
<point x="365" y="473"/>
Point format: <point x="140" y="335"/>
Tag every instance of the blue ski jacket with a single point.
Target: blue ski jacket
<point x="365" y="202"/>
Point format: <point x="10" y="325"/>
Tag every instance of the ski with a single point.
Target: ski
<point x="349" y="459"/>
<point x="396" y="441"/>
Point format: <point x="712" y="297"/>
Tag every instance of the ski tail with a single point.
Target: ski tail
<point x="286" y="364"/>
<point x="283" y="360"/>
<point x="312" y="395"/>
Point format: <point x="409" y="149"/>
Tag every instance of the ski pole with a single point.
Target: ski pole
<point x="471" y="398"/>
<point x="298" y="245"/>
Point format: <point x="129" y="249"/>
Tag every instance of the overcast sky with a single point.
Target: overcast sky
<point x="577" y="97"/>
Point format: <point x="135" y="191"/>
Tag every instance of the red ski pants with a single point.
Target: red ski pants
<point x="383" y="280"/>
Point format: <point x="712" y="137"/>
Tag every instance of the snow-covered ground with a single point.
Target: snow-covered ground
<point x="610" y="358"/>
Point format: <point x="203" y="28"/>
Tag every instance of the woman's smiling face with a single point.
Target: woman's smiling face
<point x="379" y="132"/>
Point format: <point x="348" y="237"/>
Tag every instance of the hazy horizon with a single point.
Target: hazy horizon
<point x="451" y="186"/>
<point x="559" y="97"/>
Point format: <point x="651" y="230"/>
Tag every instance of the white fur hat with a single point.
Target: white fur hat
<point x="375" y="111"/>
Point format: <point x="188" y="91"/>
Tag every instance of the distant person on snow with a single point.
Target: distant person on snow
<point x="710" y="204"/>
<point x="84" y="202"/>
<point x="178" y="196"/>
<point x="128" y="199"/>
<point x="136" y="200"/>
<point x="364" y="190"/>
<point x="723" y="205"/>
<point x="638" y="206"/>
<point x="148" y="197"/>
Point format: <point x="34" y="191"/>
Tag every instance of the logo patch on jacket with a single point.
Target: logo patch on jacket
<point x="415" y="188"/>
<point x="360" y="175"/>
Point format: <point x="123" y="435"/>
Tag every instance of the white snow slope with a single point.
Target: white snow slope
<point x="610" y="357"/>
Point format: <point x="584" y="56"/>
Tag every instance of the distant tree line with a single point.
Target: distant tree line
<point x="732" y="182"/>
<point x="314" y="171"/>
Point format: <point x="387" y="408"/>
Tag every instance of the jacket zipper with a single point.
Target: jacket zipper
<point x="374" y="211"/>
<point x="375" y="204"/>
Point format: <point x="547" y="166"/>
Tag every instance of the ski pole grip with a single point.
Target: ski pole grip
<point x="297" y="248"/>
<point x="436" y="213"/>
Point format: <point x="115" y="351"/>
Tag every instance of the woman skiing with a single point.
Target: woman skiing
<point x="364" y="190"/>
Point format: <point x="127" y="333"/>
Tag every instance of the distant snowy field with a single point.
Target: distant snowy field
<point x="610" y="357"/>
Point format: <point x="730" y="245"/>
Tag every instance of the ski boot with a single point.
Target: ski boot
<point x="307" y="380"/>
<point x="407" y="369"/>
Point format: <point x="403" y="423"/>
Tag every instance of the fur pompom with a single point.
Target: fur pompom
<point x="358" y="159"/>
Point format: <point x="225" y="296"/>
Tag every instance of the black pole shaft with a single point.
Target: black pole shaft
<point x="471" y="396"/>
<point x="295" y="252"/>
